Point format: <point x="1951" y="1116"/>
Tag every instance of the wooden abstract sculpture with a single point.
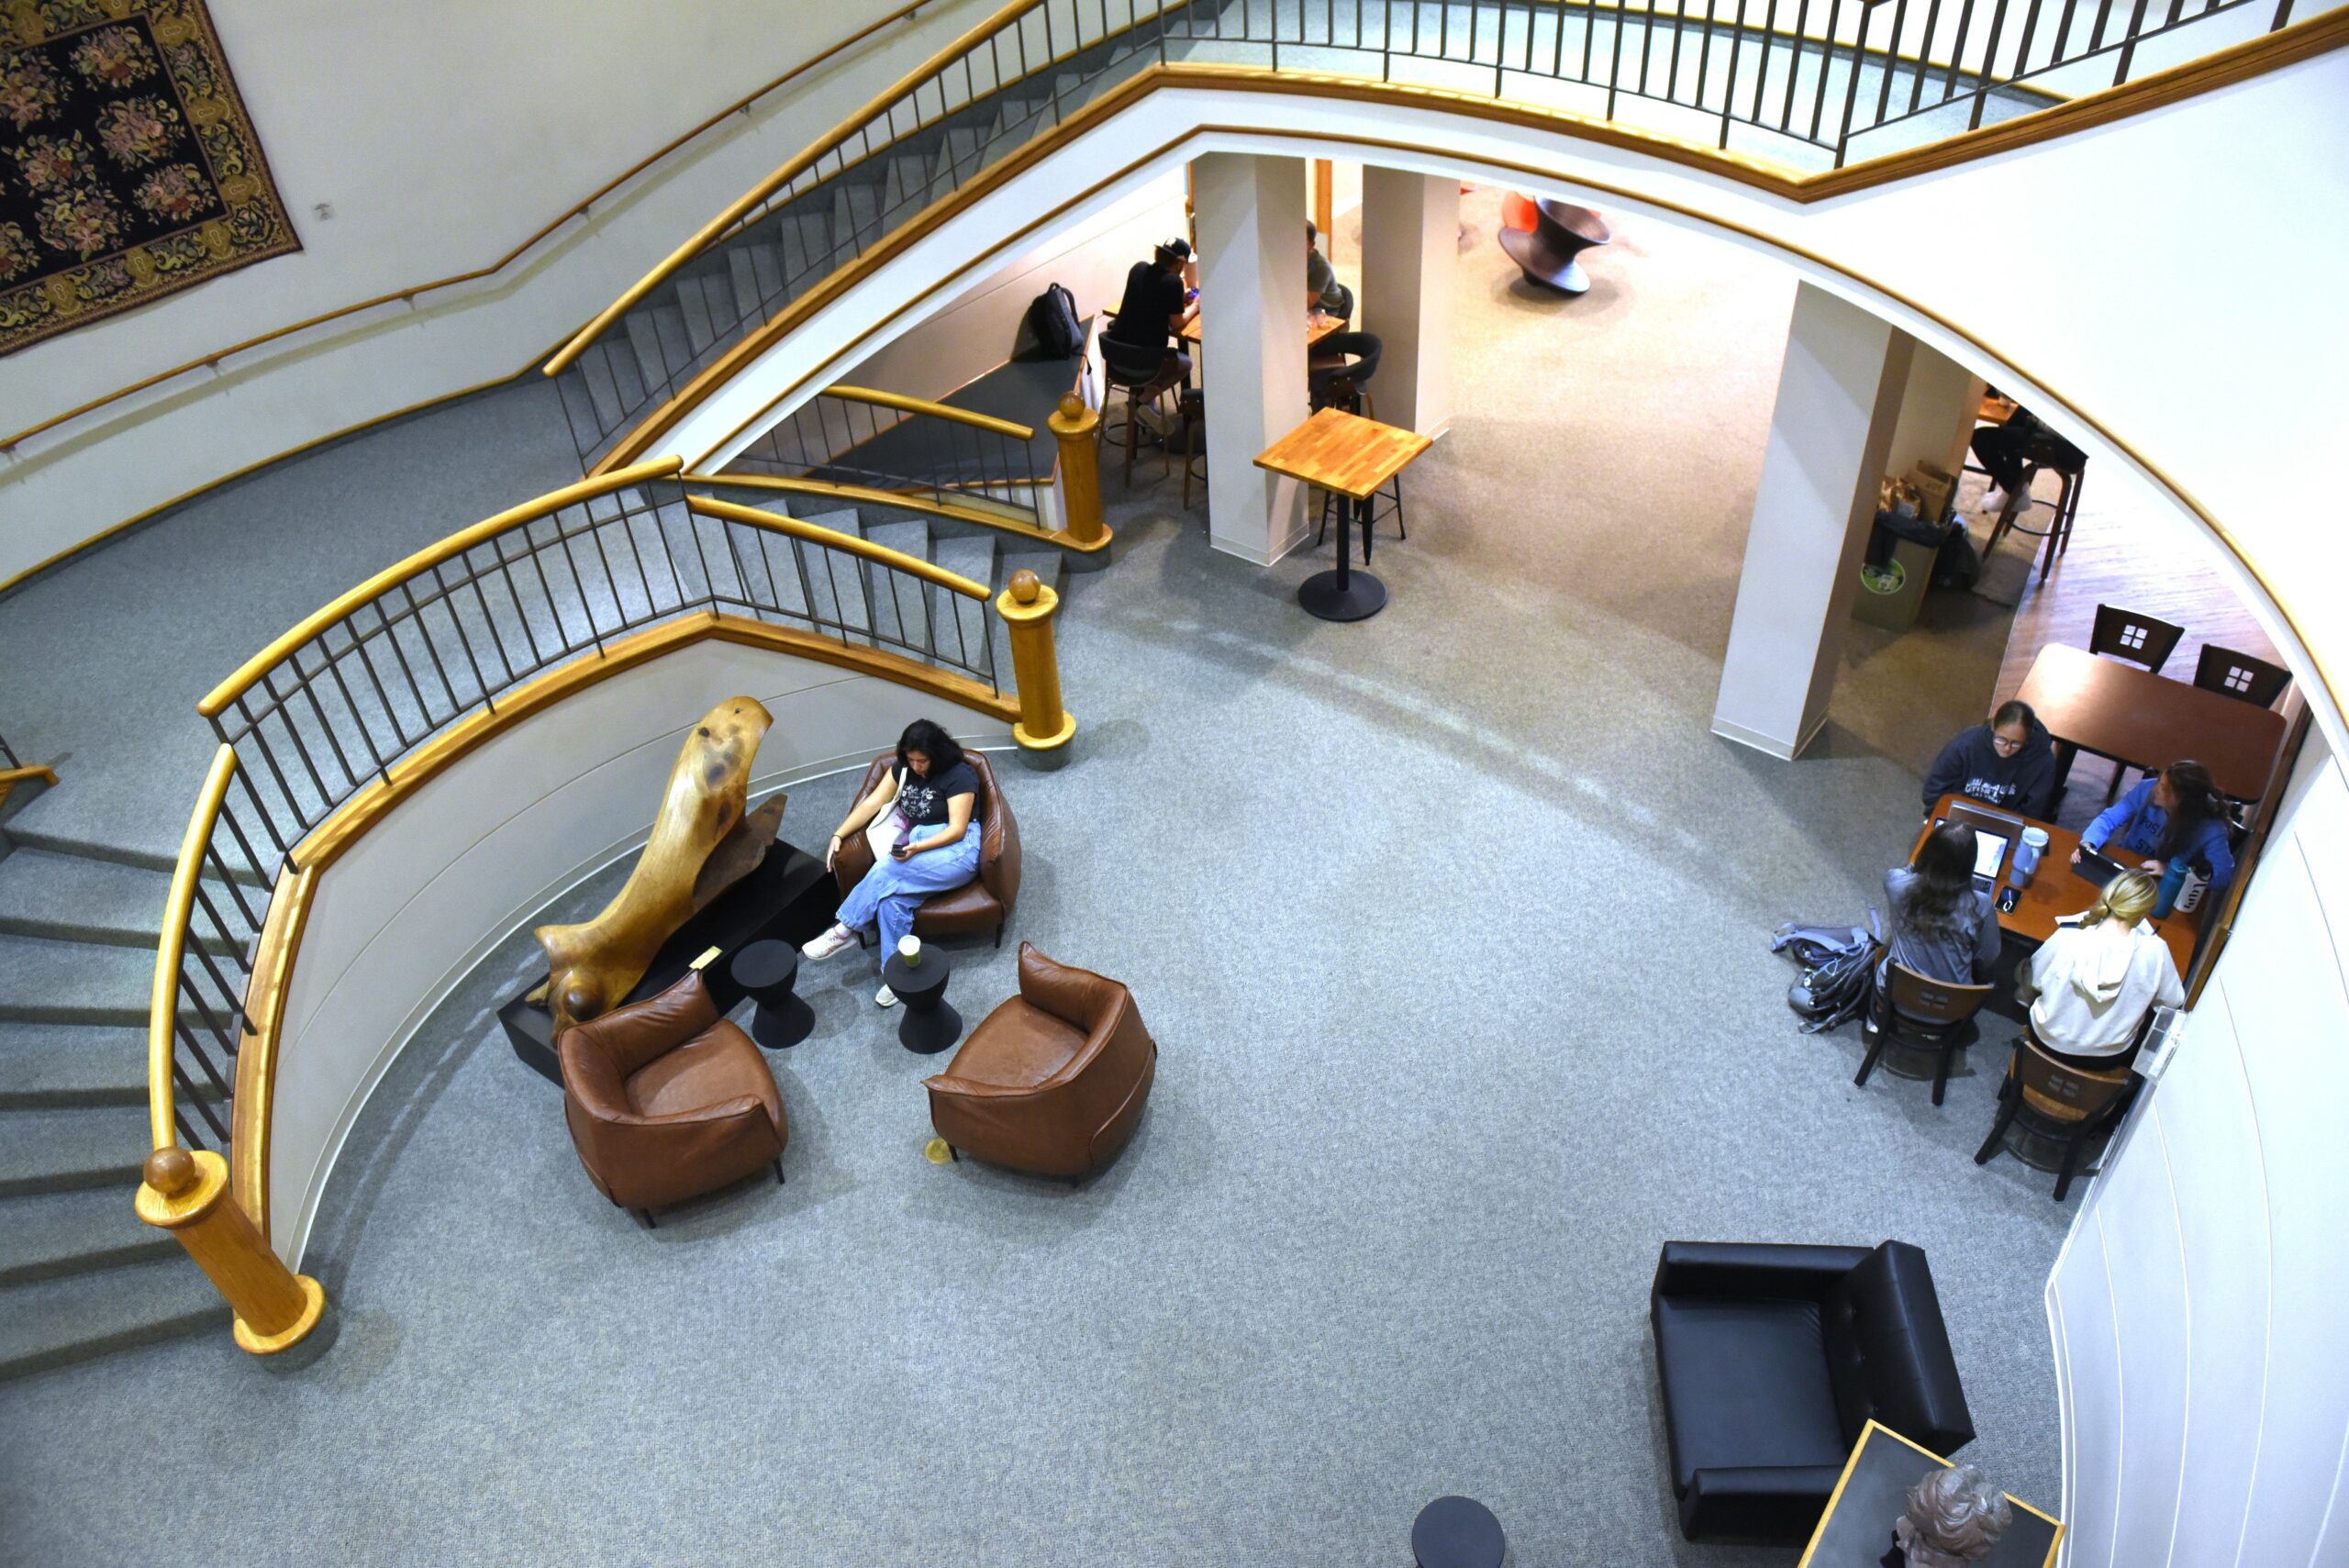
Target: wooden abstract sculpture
<point x="701" y="845"/>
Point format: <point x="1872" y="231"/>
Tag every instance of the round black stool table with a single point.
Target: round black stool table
<point x="930" y="1024"/>
<point x="768" y="970"/>
<point x="1457" y="1533"/>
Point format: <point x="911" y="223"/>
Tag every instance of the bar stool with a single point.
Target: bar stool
<point x="2058" y="532"/>
<point x="1117" y="380"/>
<point x="1192" y="407"/>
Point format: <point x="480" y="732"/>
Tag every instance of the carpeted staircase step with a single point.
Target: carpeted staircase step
<point x="59" y="1151"/>
<point x="46" y="1323"/>
<point x="46" y="1235"/>
<point x="971" y="556"/>
<point x="834" y="585"/>
<point x="45" y="981"/>
<point x="900" y="619"/>
<point x="644" y="343"/>
<point x="54" y="1066"/>
<point x="82" y="898"/>
<point x="48" y="825"/>
<point x="856" y="212"/>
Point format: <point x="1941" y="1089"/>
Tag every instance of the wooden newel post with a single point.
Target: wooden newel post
<point x="187" y="1195"/>
<point x="1027" y="606"/>
<point x="1074" y="427"/>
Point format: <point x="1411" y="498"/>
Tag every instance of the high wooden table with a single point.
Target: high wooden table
<point x="2139" y="719"/>
<point x="2057" y="889"/>
<point x="1354" y="457"/>
<point x="1317" y="326"/>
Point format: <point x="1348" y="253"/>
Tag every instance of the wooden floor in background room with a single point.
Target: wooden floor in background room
<point x="2146" y="566"/>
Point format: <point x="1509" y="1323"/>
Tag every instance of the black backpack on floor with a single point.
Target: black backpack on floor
<point x="1050" y="330"/>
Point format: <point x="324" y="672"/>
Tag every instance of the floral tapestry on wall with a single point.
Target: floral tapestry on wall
<point x="127" y="168"/>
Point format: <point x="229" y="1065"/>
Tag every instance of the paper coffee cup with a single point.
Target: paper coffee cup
<point x="910" y="949"/>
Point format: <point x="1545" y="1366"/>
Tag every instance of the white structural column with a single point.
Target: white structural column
<point x="1830" y="431"/>
<point x="1936" y="412"/>
<point x="1410" y="247"/>
<point x="1250" y="218"/>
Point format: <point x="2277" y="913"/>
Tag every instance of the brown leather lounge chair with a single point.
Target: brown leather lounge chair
<point x="666" y="1100"/>
<point x="1053" y="1082"/>
<point x="980" y="906"/>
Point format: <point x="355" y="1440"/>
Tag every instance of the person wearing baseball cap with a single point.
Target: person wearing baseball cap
<point x="1143" y="344"/>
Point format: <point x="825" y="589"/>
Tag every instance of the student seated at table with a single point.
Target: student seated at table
<point x="2009" y="763"/>
<point x="1141" y="346"/>
<point x="2006" y="448"/>
<point x="1323" y="292"/>
<point x="2091" y="984"/>
<point x="2175" y="816"/>
<point x="1940" y="924"/>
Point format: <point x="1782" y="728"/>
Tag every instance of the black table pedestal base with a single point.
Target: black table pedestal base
<point x="1341" y="595"/>
<point x="928" y="1030"/>
<point x="778" y="1029"/>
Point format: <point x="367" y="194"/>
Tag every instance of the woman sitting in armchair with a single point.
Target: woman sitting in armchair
<point x="924" y="807"/>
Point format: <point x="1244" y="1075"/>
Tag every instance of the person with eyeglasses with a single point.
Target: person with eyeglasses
<point x="2009" y="763"/>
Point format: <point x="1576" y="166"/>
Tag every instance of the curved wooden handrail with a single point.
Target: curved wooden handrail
<point x="847" y="544"/>
<point x="736" y="209"/>
<point x="163" y="1006"/>
<point x="431" y="555"/>
<point x="577" y="209"/>
<point x="905" y="405"/>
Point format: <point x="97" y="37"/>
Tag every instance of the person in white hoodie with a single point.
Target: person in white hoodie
<point x="2089" y="985"/>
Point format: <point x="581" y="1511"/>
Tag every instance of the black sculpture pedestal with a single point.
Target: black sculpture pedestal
<point x="788" y="897"/>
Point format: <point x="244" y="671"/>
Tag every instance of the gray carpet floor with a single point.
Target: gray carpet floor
<point x="1452" y="926"/>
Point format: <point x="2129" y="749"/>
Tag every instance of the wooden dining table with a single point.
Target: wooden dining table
<point x="1353" y="458"/>
<point x="2131" y="716"/>
<point x="2056" y="889"/>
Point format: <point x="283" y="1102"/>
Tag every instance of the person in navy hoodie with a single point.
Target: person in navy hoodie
<point x="2176" y="815"/>
<point x="2009" y="763"/>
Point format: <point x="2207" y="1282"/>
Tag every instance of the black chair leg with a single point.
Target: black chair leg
<point x="2071" y="1163"/>
<point x="644" y="1218"/>
<point x="1401" y="531"/>
<point x="1868" y="1066"/>
<point x="1321" y="534"/>
<point x="1941" y="1071"/>
<point x="1997" y="1134"/>
<point x="778" y="1173"/>
<point x="954" y="1154"/>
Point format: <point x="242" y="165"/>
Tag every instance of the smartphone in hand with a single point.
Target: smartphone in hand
<point x="902" y="852"/>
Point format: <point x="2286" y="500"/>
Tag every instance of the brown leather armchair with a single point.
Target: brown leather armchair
<point x="978" y="907"/>
<point x="1053" y="1081"/>
<point x="666" y="1100"/>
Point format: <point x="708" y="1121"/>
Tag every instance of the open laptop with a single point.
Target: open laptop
<point x="2098" y="869"/>
<point x="1994" y="832"/>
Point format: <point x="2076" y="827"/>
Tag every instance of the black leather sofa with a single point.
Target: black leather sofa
<point x="1772" y="1359"/>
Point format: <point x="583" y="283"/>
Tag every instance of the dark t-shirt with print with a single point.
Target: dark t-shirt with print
<point x="924" y="800"/>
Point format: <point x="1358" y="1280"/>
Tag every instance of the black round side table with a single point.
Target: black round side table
<point x="930" y="1024"/>
<point x="1457" y="1533"/>
<point x="768" y="970"/>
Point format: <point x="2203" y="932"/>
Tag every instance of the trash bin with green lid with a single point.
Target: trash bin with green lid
<point x="1896" y="571"/>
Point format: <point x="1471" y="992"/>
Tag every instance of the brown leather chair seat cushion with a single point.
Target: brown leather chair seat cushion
<point x="721" y="1065"/>
<point x="1024" y="1046"/>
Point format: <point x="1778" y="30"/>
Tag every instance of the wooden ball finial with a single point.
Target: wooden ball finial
<point x="169" y="1171"/>
<point x="1072" y="406"/>
<point x="1024" y="587"/>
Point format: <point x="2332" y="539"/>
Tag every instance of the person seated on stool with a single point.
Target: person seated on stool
<point x="924" y="807"/>
<point x="2009" y="763"/>
<point x="1323" y="292"/>
<point x="2005" y="448"/>
<point x="2091" y="984"/>
<point x="1942" y="926"/>
<point x="2176" y="815"/>
<point x="1145" y="339"/>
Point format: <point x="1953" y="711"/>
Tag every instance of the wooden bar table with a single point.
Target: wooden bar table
<point x="2057" y="889"/>
<point x="2135" y="718"/>
<point x="1354" y="457"/>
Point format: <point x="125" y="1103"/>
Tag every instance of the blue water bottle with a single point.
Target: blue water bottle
<point x="2172" y="878"/>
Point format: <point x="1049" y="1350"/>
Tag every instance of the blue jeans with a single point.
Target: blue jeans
<point x="894" y="889"/>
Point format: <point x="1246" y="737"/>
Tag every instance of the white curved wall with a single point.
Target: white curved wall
<point x="443" y="136"/>
<point x="2197" y="1304"/>
<point x="401" y="918"/>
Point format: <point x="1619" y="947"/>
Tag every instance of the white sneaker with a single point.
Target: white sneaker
<point x="1994" y="500"/>
<point x="839" y="937"/>
<point x="885" y="997"/>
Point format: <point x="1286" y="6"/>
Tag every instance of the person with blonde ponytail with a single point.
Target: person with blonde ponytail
<point x="2091" y="984"/>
